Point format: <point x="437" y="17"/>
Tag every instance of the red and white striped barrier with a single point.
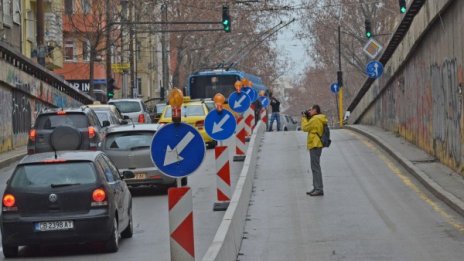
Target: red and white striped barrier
<point x="249" y="121"/>
<point x="240" y="140"/>
<point x="263" y="115"/>
<point x="223" y="189"/>
<point x="181" y="224"/>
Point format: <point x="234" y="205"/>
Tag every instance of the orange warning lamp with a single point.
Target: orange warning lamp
<point x="176" y="98"/>
<point x="219" y="100"/>
<point x="238" y="86"/>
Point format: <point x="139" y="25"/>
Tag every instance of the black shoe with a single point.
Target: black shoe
<point x="309" y="193"/>
<point x="316" y="193"/>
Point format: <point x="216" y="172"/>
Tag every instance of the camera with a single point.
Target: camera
<point x="306" y="114"/>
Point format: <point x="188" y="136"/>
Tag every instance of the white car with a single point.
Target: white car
<point x="135" y="109"/>
<point x="287" y="123"/>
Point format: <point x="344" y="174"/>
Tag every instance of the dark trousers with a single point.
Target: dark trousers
<point x="315" y="155"/>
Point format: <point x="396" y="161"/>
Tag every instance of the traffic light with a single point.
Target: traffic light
<point x="226" y="18"/>
<point x="110" y="88"/>
<point x="368" y="27"/>
<point x="403" y="8"/>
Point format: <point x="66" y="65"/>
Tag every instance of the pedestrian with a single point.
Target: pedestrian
<point x="275" y="105"/>
<point x="313" y="122"/>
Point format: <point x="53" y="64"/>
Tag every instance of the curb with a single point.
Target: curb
<point x="451" y="200"/>
<point x="228" y="239"/>
<point x="8" y="161"/>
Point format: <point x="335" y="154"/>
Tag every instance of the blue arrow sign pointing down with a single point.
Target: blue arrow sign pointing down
<point x="173" y="155"/>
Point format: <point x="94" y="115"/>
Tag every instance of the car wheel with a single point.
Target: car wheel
<point x="10" y="251"/>
<point x="129" y="231"/>
<point x="112" y="245"/>
<point x="65" y="138"/>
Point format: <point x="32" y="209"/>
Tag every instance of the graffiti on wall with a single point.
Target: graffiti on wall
<point x="6" y="130"/>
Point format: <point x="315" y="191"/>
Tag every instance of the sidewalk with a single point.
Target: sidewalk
<point x="442" y="181"/>
<point x="11" y="156"/>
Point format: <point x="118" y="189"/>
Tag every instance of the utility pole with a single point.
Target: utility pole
<point x="164" y="53"/>
<point x="40" y="33"/>
<point x="108" y="44"/>
<point x="131" y="51"/>
<point x="340" y="78"/>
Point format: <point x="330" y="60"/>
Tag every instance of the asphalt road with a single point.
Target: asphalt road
<point x="372" y="208"/>
<point x="151" y="221"/>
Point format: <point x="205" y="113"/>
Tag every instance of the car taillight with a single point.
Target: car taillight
<point x="60" y="112"/>
<point x="91" y="132"/>
<point x="9" y="203"/>
<point x="200" y="124"/>
<point x="99" y="198"/>
<point x="32" y="134"/>
<point x="141" y="118"/>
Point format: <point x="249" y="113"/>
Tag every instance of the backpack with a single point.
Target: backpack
<point x="325" y="138"/>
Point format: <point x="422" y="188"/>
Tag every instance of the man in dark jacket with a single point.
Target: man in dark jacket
<point x="275" y="105"/>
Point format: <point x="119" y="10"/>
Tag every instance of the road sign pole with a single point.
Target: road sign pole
<point x="340" y="106"/>
<point x="181" y="230"/>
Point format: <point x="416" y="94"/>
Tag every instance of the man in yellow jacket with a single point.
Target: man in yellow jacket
<point x="313" y="123"/>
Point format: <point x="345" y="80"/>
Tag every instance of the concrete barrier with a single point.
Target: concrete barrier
<point x="227" y="241"/>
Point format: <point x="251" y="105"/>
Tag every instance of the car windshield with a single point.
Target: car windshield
<point x="132" y="140"/>
<point x="56" y="174"/>
<point x="102" y="116"/>
<point x="160" y="107"/>
<point x="127" y="106"/>
<point x="51" y="121"/>
<point x="188" y="111"/>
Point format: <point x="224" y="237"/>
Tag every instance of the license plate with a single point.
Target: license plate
<point x="140" y="176"/>
<point x="54" y="225"/>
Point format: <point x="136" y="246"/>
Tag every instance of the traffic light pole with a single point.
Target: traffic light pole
<point x="340" y="78"/>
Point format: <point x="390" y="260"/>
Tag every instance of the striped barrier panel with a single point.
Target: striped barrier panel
<point x="223" y="189"/>
<point x="240" y="140"/>
<point x="181" y="224"/>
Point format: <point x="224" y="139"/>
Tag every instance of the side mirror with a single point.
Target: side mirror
<point x="125" y="117"/>
<point x="106" y="123"/>
<point x="128" y="174"/>
<point x="123" y="122"/>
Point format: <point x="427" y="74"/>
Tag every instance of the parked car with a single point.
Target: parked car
<point x="287" y="123"/>
<point x="129" y="147"/>
<point x="108" y="112"/>
<point x="193" y="113"/>
<point x="135" y="109"/>
<point x="53" y="124"/>
<point x="65" y="197"/>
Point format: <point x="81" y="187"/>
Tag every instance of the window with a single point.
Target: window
<point x="31" y="26"/>
<point x="114" y="170"/>
<point x="51" y="121"/>
<point x="127" y="106"/>
<point x="106" y="170"/>
<point x="68" y="7"/>
<point x="16" y="12"/>
<point x="69" y="50"/>
<point x="86" y="50"/>
<point x="44" y="175"/>
<point x="131" y="140"/>
<point x="86" y="6"/>
<point x="7" y="17"/>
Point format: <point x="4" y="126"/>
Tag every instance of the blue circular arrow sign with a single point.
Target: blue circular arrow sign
<point x="374" y="69"/>
<point x="251" y="93"/>
<point x="177" y="149"/>
<point x="239" y="102"/>
<point x="334" y="87"/>
<point x="264" y="101"/>
<point x="220" y="125"/>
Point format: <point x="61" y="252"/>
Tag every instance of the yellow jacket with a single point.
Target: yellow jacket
<point x="314" y="127"/>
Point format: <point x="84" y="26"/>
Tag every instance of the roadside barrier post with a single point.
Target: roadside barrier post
<point x="240" y="142"/>
<point x="223" y="189"/>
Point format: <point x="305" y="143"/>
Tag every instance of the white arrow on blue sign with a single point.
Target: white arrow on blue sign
<point x="251" y="93"/>
<point x="239" y="102"/>
<point x="177" y="149"/>
<point x="334" y="87"/>
<point x="374" y="69"/>
<point x="220" y="125"/>
<point x="264" y="101"/>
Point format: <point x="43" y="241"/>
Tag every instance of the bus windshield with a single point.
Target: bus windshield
<point x="206" y="86"/>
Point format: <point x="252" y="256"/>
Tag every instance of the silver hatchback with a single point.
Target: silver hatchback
<point x="128" y="146"/>
<point x="135" y="109"/>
